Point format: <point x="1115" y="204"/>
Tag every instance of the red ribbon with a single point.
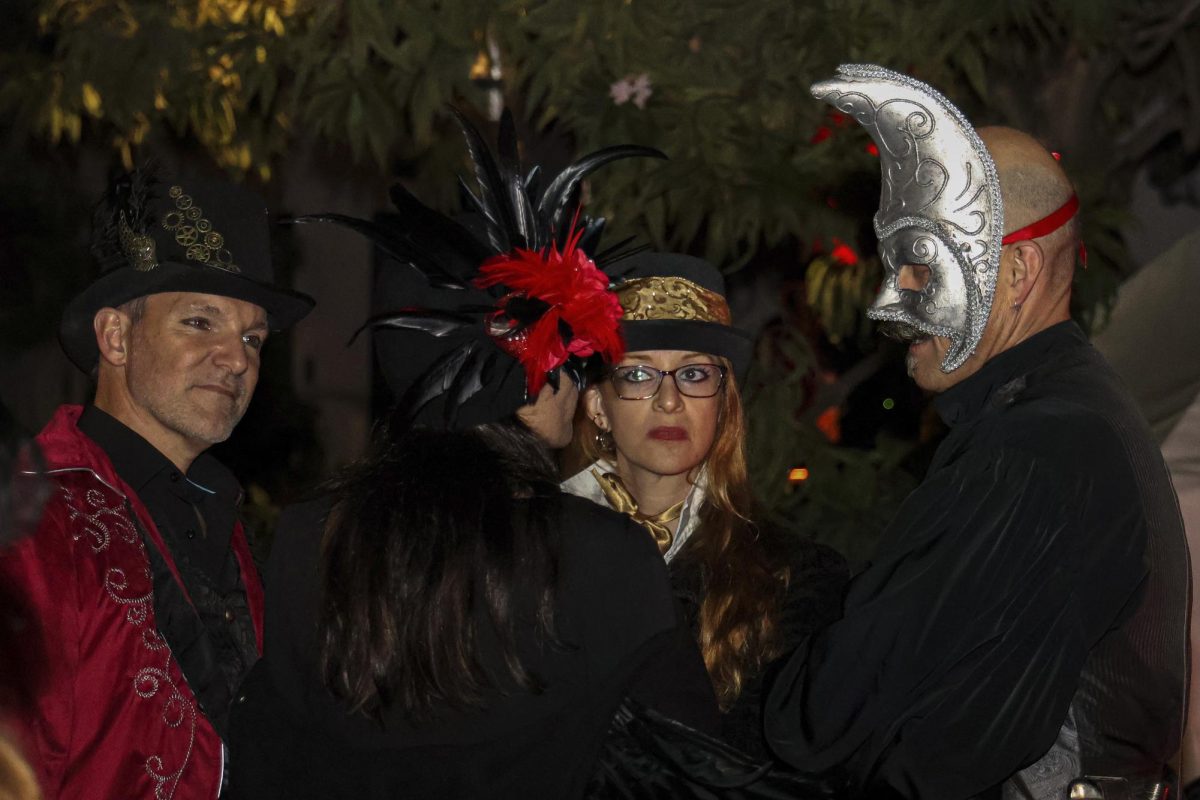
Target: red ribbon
<point x="1049" y="224"/>
<point x="1046" y="225"/>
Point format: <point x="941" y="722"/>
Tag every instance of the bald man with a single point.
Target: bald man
<point x="1022" y="627"/>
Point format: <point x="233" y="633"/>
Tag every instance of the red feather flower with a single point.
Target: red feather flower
<point x="583" y="317"/>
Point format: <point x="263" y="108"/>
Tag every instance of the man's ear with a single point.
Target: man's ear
<point x="112" y="329"/>
<point x="1021" y="270"/>
<point x="593" y="405"/>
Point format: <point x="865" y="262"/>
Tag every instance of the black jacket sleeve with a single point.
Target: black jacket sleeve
<point x="962" y="643"/>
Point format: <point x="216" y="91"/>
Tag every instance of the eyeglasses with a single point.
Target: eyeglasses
<point x="641" y="382"/>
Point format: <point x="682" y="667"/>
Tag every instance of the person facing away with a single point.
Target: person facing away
<point x="1022" y="628"/>
<point x="669" y="450"/>
<point x="143" y="599"/>
<point x="445" y="622"/>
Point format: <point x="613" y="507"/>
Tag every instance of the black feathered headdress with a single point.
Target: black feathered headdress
<point x="494" y="305"/>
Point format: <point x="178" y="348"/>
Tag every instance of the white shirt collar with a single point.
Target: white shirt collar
<point x="583" y="484"/>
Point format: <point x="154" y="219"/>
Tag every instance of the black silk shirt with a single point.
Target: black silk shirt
<point x="1027" y="605"/>
<point x="194" y="513"/>
<point x="213" y="636"/>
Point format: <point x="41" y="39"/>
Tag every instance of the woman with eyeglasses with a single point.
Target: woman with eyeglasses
<point x="669" y="451"/>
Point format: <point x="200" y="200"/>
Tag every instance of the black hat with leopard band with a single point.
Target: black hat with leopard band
<point x="671" y="301"/>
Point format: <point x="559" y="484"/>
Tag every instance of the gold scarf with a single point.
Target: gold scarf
<point x="621" y="500"/>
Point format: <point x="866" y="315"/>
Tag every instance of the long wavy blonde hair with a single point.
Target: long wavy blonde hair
<point x="743" y="582"/>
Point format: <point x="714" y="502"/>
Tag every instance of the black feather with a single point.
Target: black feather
<point x="615" y="252"/>
<point x="466" y="382"/>
<point x="613" y="267"/>
<point x="396" y="241"/>
<point x="426" y="320"/>
<point x="558" y="203"/>
<point x="470" y="201"/>
<point x="514" y="364"/>
<point x="440" y="238"/>
<point x="435" y="380"/>
<point x="493" y="194"/>
<point x="506" y="209"/>
<point x="526" y="234"/>
<point x="489" y="364"/>
<point x="533" y="181"/>
<point x="590" y="232"/>
<point x="128" y="198"/>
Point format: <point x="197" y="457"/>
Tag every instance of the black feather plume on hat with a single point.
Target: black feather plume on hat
<point x="126" y="203"/>
<point x="513" y="213"/>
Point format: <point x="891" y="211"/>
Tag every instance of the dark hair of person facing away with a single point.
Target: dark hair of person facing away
<point x="428" y="538"/>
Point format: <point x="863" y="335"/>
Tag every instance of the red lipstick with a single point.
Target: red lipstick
<point x="668" y="434"/>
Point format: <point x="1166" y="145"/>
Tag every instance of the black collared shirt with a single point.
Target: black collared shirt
<point x="212" y="637"/>
<point x="195" y="513"/>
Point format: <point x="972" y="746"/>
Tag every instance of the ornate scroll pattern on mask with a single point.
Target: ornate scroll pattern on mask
<point x="100" y="520"/>
<point x="195" y="233"/>
<point x="938" y="177"/>
<point x="659" y="297"/>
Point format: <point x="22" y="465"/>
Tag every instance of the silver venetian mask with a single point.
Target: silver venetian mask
<point x="939" y="207"/>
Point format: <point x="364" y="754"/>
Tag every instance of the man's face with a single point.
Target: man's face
<point x="192" y="364"/>
<point x="925" y="355"/>
<point x="924" y="363"/>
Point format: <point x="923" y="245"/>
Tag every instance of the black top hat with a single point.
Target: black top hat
<point x="182" y="235"/>
<point x="672" y="301"/>
<point x="475" y="313"/>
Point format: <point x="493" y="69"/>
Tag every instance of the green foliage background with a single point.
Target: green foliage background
<point x="1106" y="82"/>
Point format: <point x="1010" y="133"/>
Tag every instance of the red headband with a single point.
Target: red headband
<point x="1049" y="224"/>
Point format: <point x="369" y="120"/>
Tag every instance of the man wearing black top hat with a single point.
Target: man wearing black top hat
<point x="146" y="602"/>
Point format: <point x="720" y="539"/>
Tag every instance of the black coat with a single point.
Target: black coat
<point x="1027" y="604"/>
<point x="814" y="595"/>
<point x="624" y="637"/>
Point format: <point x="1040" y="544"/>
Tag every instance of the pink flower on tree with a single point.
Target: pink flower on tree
<point x="635" y="88"/>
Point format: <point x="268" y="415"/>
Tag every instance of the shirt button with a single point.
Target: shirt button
<point x="191" y="534"/>
<point x="229" y="615"/>
<point x="175" y="477"/>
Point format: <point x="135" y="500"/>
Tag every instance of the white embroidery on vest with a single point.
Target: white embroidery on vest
<point x="176" y="711"/>
<point x="99" y="522"/>
<point x="138" y="607"/>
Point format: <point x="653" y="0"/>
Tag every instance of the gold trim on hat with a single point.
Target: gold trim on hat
<point x="195" y="233"/>
<point x="666" y="297"/>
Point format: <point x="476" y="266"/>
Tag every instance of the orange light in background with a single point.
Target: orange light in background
<point x="797" y="474"/>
